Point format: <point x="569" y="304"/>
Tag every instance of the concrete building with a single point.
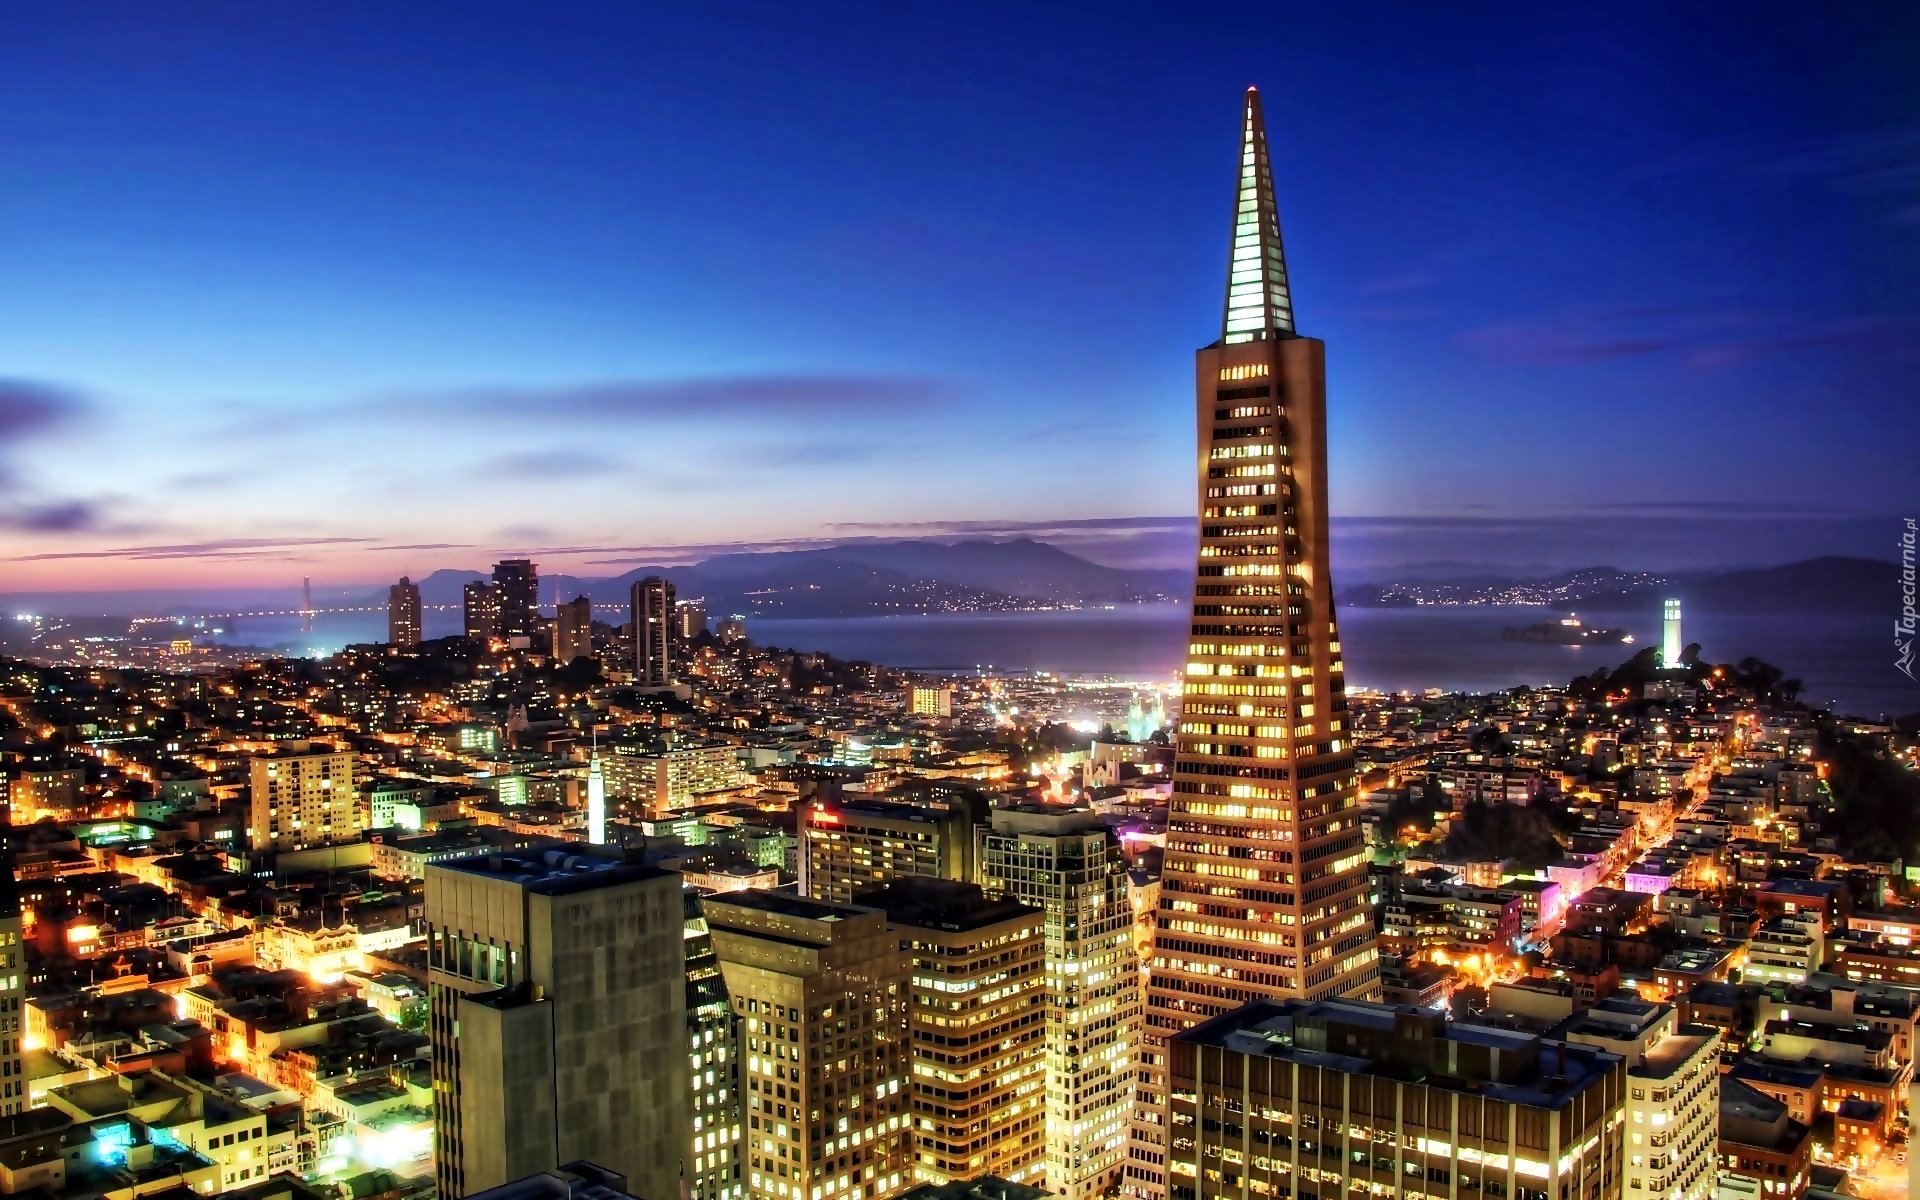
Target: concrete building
<point x="574" y="1181"/>
<point x="403" y="613"/>
<point x="1070" y="865"/>
<point x="822" y="993"/>
<point x="1673" y="1094"/>
<point x="931" y="700"/>
<point x="1671" y="646"/>
<point x="1784" y="950"/>
<point x="651" y="610"/>
<point x="408" y="857"/>
<point x="1764" y="1154"/>
<point x="303" y="797"/>
<point x="850" y="847"/>
<point x="978" y="1029"/>
<point x="1332" y="1097"/>
<point x="558" y="993"/>
<point x="573" y="630"/>
<point x="670" y="781"/>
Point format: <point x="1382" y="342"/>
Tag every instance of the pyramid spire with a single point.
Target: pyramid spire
<point x="1259" y="304"/>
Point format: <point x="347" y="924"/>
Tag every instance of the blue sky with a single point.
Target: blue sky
<point x="348" y="290"/>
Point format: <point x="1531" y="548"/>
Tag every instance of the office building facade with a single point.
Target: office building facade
<point x="822" y="993"/>
<point x="977" y="1024"/>
<point x="714" y="1169"/>
<point x="1334" y="1098"/>
<point x="403" y="614"/>
<point x="849" y="847"/>
<point x="557" y="990"/>
<point x="480" y="606"/>
<point x="650" y="607"/>
<point x="302" y="798"/>
<point x="1070" y="866"/>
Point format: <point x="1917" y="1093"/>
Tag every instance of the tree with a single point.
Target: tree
<point x="413" y="1016"/>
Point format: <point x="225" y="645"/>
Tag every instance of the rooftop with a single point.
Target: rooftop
<point x="561" y="868"/>
<point x="1376" y="1039"/>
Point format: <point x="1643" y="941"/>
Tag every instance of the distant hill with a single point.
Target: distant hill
<point x="1832" y="585"/>
<point x="867" y="578"/>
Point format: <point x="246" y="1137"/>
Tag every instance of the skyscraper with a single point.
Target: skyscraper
<point x="1263" y="890"/>
<point x="558" y="989"/>
<point x="403" y="613"/>
<point x="822" y="991"/>
<point x="573" y="630"/>
<point x="519" y="583"/>
<point x="1671" y="647"/>
<point x="714" y="1170"/>
<point x="481" y="604"/>
<point x="652" y="605"/>
<point x="979" y="1042"/>
<point x="1069" y="865"/>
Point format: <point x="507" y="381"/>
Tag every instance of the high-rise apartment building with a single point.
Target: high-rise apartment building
<point x="1337" y="1098"/>
<point x="822" y="991"/>
<point x="978" y="1028"/>
<point x="403" y="613"/>
<point x="714" y="1168"/>
<point x="14" y="1097"/>
<point x="1263" y="889"/>
<point x="1672" y="1113"/>
<point x="651" y="605"/>
<point x="557" y="986"/>
<point x="519" y="582"/>
<point x="573" y="630"/>
<point x="931" y="700"/>
<point x="664" y="783"/>
<point x="690" y="619"/>
<point x="1069" y="865"/>
<point x="303" y="797"/>
<point x="848" y="847"/>
<point x="481" y="604"/>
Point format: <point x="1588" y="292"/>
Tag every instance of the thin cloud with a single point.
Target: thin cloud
<point x="546" y="465"/>
<point x="28" y="408"/>
<point x="988" y="527"/>
<point x="224" y="548"/>
<point x="804" y="397"/>
<point x="61" y="516"/>
<point x="1872" y="164"/>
